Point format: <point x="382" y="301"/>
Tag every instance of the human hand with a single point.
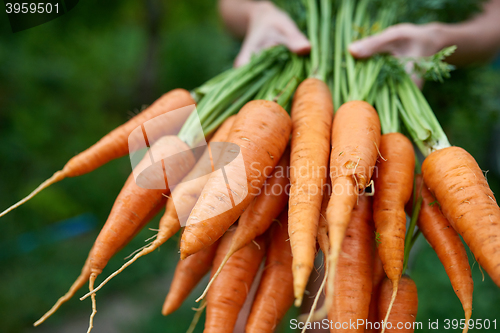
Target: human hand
<point x="401" y="40"/>
<point x="269" y="26"/>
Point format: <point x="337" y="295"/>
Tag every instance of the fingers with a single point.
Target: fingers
<point x="273" y="28"/>
<point x="295" y="40"/>
<point x="256" y="41"/>
<point x="386" y="42"/>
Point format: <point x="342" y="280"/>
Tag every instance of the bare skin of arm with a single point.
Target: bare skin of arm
<point x="477" y="40"/>
<point x="262" y="25"/>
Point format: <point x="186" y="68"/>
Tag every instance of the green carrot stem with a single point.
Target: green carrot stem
<point x="337" y="62"/>
<point x="199" y="92"/>
<point x="312" y="32"/>
<point x="325" y="39"/>
<point x="226" y="91"/>
<point x="419" y="119"/>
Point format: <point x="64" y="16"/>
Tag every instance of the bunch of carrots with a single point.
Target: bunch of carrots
<point x="305" y="153"/>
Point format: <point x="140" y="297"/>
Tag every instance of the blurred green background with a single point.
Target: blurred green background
<point x="66" y="83"/>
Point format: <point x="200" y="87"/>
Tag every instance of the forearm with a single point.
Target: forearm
<point x="477" y="40"/>
<point x="236" y="13"/>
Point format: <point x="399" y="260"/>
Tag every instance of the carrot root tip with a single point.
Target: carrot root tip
<point x="58" y="176"/>
<point x="94" y="305"/>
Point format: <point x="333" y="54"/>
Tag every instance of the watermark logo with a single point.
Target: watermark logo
<point x="25" y="14"/>
<point x="160" y="163"/>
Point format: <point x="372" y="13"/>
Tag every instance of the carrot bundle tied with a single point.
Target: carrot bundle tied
<point x="467" y="202"/>
<point x="448" y="247"/>
<point x="312" y="114"/>
<point x="261" y="130"/>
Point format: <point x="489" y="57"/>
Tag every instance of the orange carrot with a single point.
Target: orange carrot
<point x="275" y="294"/>
<point x="355" y="142"/>
<point x="467" y="202"/>
<point x="265" y="208"/>
<point x="228" y="293"/>
<point x="312" y="115"/>
<point x="187" y="275"/>
<point x="260" y="214"/>
<point x="393" y="189"/>
<point x="448" y="246"/>
<point x="184" y="198"/>
<point x="353" y="280"/>
<point x="404" y="310"/>
<point x="116" y="143"/>
<point x="261" y="130"/>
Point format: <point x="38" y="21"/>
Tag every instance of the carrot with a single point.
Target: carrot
<point x="467" y="202"/>
<point x="404" y="311"/>
<point x="355" y="142"/>
<point x="448" y="246"/>
<point x="116" y="143"/>
<point x="260" y="214"/>
<point x="134" y="203"/>
<point x="353" y="280"/>
<point x="228" y="293"/>
<point x="312" y="115"/>
<point x="183" y="199"/>
<point x="261" y="130"/>
<point x="393" y="189"/>
<point x="377" y="278"/>
<point x="275" y="294"/>
<point x="187" y="275"/>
